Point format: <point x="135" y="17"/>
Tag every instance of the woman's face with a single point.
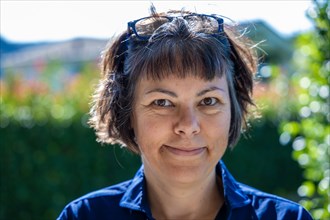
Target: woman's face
<point x="181" y="126"/>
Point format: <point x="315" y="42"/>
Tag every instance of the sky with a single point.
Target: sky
<point x="32" y="21"/>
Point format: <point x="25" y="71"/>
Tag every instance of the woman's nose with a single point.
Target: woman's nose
<point x="187" y="123"/>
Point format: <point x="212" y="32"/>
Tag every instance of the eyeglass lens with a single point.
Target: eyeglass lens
<point x="198" y="23"/>
<point x="147" y="26"/>
<point x="202" y="23"/>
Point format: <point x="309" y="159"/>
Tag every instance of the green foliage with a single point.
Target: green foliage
<point x="48" y="155"/>
<point x="260" y="161"/>
<point x="45" y="167"/>
<point x="308" y="127"/>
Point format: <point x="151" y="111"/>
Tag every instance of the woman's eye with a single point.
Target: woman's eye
<point x="209" y="101"/>
<point x="162" y="103"/>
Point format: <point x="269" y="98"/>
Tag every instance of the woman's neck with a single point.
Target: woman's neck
<point x="200" y="200"/>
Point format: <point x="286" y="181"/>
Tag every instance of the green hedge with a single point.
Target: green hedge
<point x="261" y="161"/>
<point x="45" y="166"/>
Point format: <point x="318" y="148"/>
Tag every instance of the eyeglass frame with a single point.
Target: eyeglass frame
<point x="131" y="26"/>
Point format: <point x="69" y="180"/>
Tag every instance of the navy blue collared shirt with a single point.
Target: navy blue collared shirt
<point x="128" y="200"/>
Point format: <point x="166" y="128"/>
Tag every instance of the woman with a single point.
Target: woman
<point x="176" y="89"/>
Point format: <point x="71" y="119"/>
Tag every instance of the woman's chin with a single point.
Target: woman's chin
<point x="186" y="173"/>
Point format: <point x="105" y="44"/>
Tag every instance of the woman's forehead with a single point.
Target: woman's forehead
<point x="167" y="75"/>
<point x="185" y="84"/>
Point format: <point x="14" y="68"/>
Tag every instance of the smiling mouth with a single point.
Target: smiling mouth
<point x="185" y="152"/>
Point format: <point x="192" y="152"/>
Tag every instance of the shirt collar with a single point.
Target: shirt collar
<point x="234" y="196"/>
<point x="135" y="197"/>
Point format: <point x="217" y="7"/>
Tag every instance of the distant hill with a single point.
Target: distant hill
<point x="20" y="57"/>
<point x="8" y="46"/>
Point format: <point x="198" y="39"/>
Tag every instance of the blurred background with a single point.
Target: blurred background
<point x="50" y="53"/>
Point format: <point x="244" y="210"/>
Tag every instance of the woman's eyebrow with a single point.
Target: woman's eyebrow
<point x="167" y="92"/>
<point x="213" y="88"/>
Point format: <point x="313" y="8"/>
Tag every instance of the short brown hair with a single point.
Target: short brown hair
<point x="174" y="49"/>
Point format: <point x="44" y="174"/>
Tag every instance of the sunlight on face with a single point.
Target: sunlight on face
<point x="181" y="126"/>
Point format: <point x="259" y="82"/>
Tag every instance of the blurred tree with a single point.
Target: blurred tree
<point x="309" y="127"/>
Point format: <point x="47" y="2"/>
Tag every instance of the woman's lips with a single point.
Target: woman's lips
<point x="185" y="152"/>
